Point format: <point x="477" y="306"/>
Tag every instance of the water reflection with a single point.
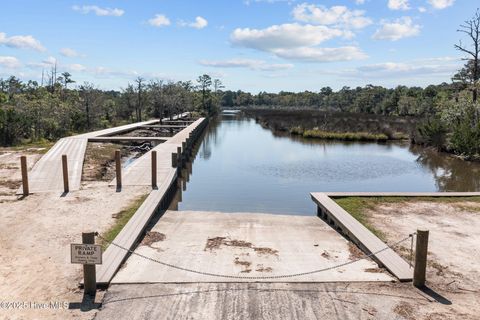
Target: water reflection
<point x="449" y="172"/>
<point x="242" y="167"/>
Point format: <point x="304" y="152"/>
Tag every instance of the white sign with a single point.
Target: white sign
<point x="86" y="253"/>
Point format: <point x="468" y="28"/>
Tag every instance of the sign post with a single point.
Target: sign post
<point x="89" y="254"/>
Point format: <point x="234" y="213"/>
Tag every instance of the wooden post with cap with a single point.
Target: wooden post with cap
<point x="421" y="251"/>
<point x="23" y="165"/>
<point x="66" y="187"/>
<point x="154" y="169"/>
<point x="118" y="169"/>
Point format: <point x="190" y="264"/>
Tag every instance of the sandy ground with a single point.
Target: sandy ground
<point x="454" y="253"/>
<point x="35" y="234"/>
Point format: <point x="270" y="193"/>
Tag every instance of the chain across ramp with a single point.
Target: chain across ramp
<point x="365" y="256"/>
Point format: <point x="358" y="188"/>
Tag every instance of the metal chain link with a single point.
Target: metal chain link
<point x="366" y="256"/>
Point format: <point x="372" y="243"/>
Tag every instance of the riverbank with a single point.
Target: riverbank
<point x="330" y="125"/>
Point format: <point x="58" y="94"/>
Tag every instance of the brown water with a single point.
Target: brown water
<point x="242" y="167"/>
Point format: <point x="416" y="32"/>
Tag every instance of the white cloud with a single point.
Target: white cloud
<point x="284" y="36"/>
<point x="422" y="9"/>
<point x="199" y="23"/>
<point x="70" y="53"/>
<point x="309" y="54"/>
<point x="77" y="67"/>
<point x="45" y="63"/>
<point x="336" y="15"/>
<point x="441" y="4"/>
<point x="104" y="72"/>
<point x="431" y="69"/>
<point x="443" y="66"/>
<point x="297" y="42"/>
<point x="159" y="20"/>
<point x="246" y="63"/>
<point x="398" y="4"/>
<point x="21" y="42"/>
<point x="9" y="62"/>
<point x="396" y="30"/>
<point x="115" y="12"/>
<point x="359" y="1"/>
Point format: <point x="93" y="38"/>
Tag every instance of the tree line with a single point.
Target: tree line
<point x="30" y="111"/>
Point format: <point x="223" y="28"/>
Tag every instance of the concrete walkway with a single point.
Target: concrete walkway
<point x="265" y="301"/>
<point x="244" y="244"/>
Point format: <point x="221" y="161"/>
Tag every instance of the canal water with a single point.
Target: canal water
<point x="242" y="167"/>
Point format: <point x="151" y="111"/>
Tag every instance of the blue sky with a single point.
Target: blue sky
<point x="253" y="45"/>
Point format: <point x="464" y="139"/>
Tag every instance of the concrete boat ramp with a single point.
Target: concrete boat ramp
<point x="240" y="245"/>
<point x="243" y="247"/>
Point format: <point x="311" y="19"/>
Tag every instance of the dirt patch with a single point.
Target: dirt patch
<point x="326" y="255"/>
<point x="151" y="237"/>
<point x="237" y="243"/>
<point x="405" y="310"/>
<point x="217" y="242"/>
<point x="11" y="184"/>
<point x="261" y="268"/>
<point x="355" y="252"/>
<point x="374" y="270"/>
<point x="214" y="243"/>
<point x="99" y="163"/>
<point x="269" y="251"/>
<point x="245" y="264"/>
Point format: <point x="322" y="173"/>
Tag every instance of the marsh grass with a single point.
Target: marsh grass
<point x="347" y="136"/>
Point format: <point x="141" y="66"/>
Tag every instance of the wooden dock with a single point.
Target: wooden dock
<point x="343" y="222"/>
<point x="139" y="173"/>
<point x="46" y="175"/>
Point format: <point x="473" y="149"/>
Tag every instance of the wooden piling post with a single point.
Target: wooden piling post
<point x="154" y="169"/>
<point x="184" y="149"/>
<point x="421" y="250"/>
<point x="174" y="160"/>
<point x="23" y="165"/>
<point x="66" y="187"/>
<point x="179" y="156"/>
<point x="89" y="270"/>
<point x="118" y="169"/>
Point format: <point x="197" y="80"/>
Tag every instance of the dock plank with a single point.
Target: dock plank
<point x="364" y="237"/>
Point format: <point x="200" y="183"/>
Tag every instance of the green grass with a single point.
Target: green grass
<point x="346" y="136"/>
<point x="121" y="220"/>
<point x="358" y="207"/>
